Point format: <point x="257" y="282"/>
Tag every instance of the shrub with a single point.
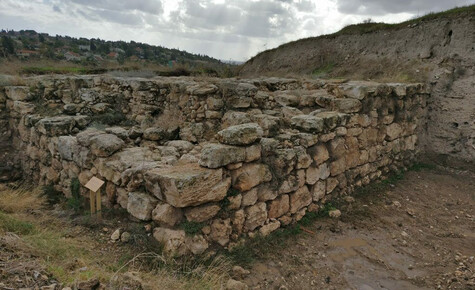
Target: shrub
<point x="191" y="228"/>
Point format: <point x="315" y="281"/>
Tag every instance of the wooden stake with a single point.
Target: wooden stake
<point x="92" y="201"/>
<point x="98" y="204"/>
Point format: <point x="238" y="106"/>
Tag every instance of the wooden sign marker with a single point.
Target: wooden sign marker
<point x="94" y="186"/>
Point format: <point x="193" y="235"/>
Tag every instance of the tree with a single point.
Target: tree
<point x="93" y="46"/>
<point x="8" y="45"/>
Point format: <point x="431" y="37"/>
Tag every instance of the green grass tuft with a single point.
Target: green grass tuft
<point x="191" y="228"/>
<point x="10" y="224"/>
<point x="323" y="70"/>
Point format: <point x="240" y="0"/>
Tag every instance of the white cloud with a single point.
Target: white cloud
<point x="225" y="29"/>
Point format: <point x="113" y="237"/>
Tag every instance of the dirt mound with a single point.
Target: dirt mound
<point x="438" y="50"/>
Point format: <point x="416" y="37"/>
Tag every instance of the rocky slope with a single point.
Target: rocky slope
<point x="439" y="51"/>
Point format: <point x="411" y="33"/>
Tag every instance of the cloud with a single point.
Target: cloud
<point x="225" y="29"/>
<point x="380" y="7"/>
<point x="146" y="6"/>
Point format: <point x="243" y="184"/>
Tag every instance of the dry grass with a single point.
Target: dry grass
<point x="21" y="199"/>
<point x="75" y="253"/>
<point x="170" y="119"/>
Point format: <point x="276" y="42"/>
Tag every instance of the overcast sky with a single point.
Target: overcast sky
<point x="224" y="29"/>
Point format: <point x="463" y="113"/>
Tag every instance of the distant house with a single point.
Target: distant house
<point x="85" y="47"/>
<point x="98" y="57"/>
<point x="72" y="56"/>
<point x="26" y="53"/>
<point x="113" y="55"/>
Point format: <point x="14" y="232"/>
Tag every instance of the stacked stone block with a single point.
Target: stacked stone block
<point x="237" y="157"/>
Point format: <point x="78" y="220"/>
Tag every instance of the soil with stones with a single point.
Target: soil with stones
<point x="419" y="234"/>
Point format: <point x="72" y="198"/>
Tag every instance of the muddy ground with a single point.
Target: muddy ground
<point x="419" y="234"/>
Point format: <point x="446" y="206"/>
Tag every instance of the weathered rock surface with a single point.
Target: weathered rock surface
<point x="167" y="215"/>
<point x="243" y="134"/>
<point x="219" y="155"/>
<point x="187" y="185"/>
<point x="250" y="175"/>
<point x="105" y="145"/>
<point x="140" y="205"/>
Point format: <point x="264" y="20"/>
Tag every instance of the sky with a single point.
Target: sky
<point x="224" y="29"/>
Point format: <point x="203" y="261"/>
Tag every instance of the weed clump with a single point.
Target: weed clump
<point x="52" y="195"/>
<point x="76" y="201"/>
<point x="9" y="224"/>
<point x="191" y="228"/>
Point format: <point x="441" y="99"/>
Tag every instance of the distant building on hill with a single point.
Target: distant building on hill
<point x="85" y="47"/>
<point x="23" y="53"/>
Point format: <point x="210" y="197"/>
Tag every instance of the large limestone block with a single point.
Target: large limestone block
<point x="219" y="155"/>
<point x="18" y="93"/>
<point x="140" y="205"/>
<point x="299" y="199"/>
<point x="319" y="153"/>
<point x="250" y="175"/>
<point x="23" y="108"/>
<point x="346" y="105"/>
<point x="84" y="137"/>
<point x="333" y="119"/>
<point x="232" y="118"/>
<point x="256" y="216"/>
<point x="119" y="132"/>
<point x="265" y="230"/>
<point x="338" y="166"/>
<point x="187" y="185"/>
<point x="55" y="126"/>
<point x="308" y="123"/>
<point x="279" y="206"/>
<point x="393" y="131"/>
<point x="269" y="124"/>
<point x="315" y="173"/>
<point x="173" y="241"/>
<point x="154" y="134"/>
<point x="243" y="134"/>
<point x="220" y="231"/>
<point x="167" y="215"/>
<point x="318" y="190"/>
<point x="202" y="213"/>
<point x="105" y="145"/>
<point x="68" y="147"/>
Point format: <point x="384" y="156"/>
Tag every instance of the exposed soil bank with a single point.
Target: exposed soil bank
<point x="439" y="52"/>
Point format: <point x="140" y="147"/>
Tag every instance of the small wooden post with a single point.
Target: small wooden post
<point x="92" y="201"/>
<point x="94" y="186"/>
<point x="98" y="204"/>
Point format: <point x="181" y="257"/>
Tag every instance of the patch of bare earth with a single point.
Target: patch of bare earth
<point x="418" y="234"/>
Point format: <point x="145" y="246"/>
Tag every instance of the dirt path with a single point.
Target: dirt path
<point x="417" y="235"/>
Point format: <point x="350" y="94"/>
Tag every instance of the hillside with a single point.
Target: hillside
<point x="437" y="49"/>
<point x="28" y="46"/>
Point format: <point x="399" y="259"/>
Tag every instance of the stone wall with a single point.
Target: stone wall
<point x="239" y="157"/>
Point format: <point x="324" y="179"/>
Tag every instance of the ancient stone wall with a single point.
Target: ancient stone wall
<point x="237" y="157"/>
